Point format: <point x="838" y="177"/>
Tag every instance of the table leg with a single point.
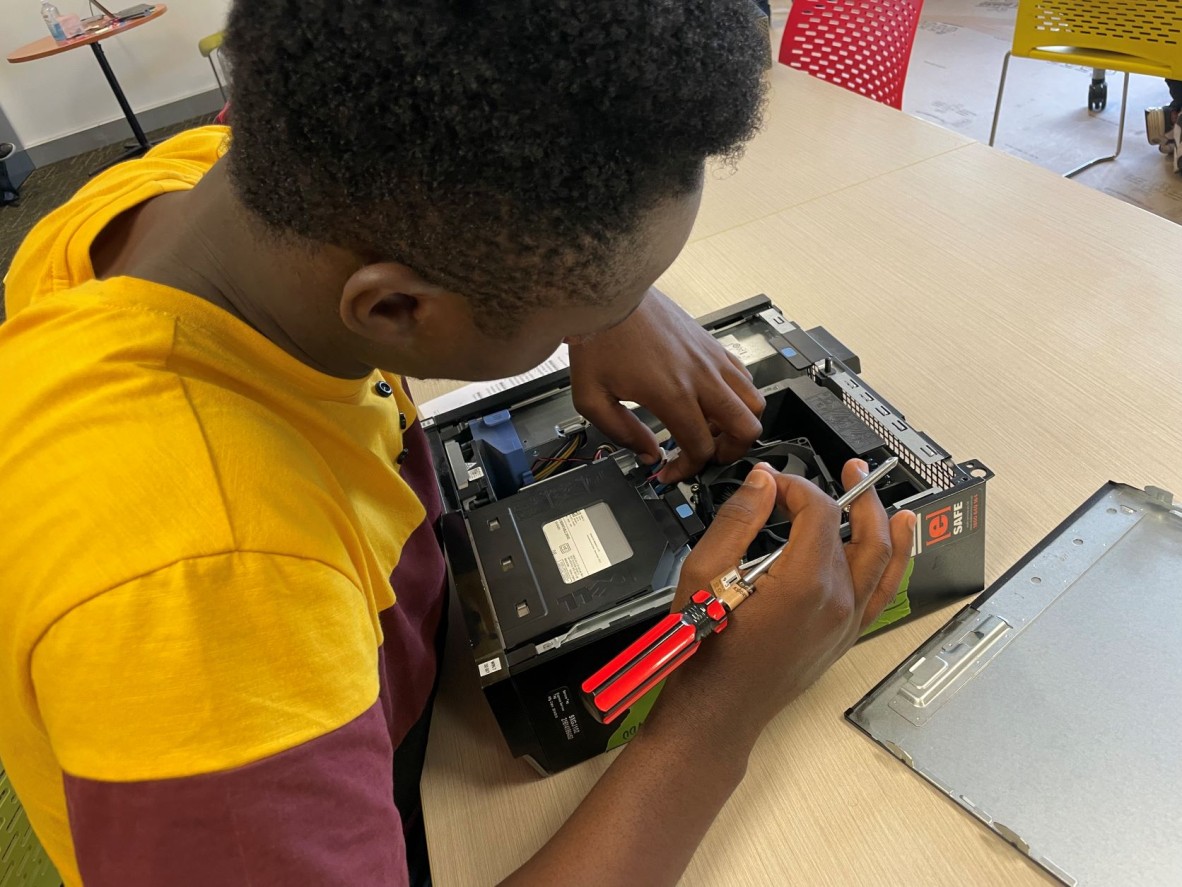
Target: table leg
<point x="142" y="144"/>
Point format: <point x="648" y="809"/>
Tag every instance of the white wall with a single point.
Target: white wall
<point x="156" y="64"/>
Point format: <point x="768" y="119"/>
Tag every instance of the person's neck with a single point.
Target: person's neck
<point x="212" y="247"/>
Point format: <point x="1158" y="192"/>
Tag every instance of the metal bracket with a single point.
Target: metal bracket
<point x="777" y="321"/>
<point x="1161" y="497"/>
<point x="933" y="678"/>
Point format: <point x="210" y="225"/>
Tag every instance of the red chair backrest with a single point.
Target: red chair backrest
<point x="863" y="45"/>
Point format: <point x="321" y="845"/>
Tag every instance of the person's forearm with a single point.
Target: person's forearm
<point x="645" y="817"/>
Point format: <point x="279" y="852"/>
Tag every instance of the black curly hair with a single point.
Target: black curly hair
<point x="507" y="149"/>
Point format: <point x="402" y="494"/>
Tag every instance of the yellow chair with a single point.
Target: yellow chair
<point x="207" y="46"/>
<point x="1132" y="36"/>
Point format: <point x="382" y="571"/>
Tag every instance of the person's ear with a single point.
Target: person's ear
<point x="388" y="302"/>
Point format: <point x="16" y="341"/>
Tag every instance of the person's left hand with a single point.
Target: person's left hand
<point x="661" y="359"/>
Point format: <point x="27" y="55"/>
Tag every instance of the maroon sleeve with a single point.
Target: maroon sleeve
<point x="321" y="813"/>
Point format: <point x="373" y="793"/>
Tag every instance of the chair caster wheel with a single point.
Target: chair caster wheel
<point x="1098" y="95"/>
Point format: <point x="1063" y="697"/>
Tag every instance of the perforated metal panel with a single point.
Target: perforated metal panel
<point x="1142" y="30"/>
<point x="862" y="45"/>
<point x="1155" y="21"/>
<point x="22" y="861"/>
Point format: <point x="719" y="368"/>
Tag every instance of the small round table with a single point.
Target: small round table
<point x="47" y="46"/>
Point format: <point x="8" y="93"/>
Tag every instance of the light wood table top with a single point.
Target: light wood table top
<point x="47" y="46"/>
<point x="815" y="140"/>
<point x="1020" y="319"/>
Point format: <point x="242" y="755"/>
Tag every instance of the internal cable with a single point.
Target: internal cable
<point x="549" y="465"/>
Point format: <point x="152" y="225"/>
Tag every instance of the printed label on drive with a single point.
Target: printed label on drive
<point x="948" y="520"/>
<point x="585" y="542"/>
<point x="489" y="667"/>
<point x="564" y="710"/>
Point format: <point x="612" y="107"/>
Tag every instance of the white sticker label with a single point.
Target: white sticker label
<point x="576" y="546"/>
<point x="487" y="668"/>
<point x="749" y="350"/>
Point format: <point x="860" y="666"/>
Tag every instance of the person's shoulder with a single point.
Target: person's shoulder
<point x="101" y="457"/>
<point x="75" y="357"/>
<point x="200" y="147"/>
<point x="54" y="256"/>
<point x="108" y="442"/>
<point x="76" y="325"/>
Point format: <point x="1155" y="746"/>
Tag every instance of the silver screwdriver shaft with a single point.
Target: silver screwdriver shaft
<point x="756" y="568"/>
<point x="650" y="658"/>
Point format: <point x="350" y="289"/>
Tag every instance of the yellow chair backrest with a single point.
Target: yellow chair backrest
<point x="206" y="45"/>
<point x="1139" y="36"/>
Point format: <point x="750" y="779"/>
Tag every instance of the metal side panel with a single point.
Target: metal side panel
<point x="1051" y="708"/>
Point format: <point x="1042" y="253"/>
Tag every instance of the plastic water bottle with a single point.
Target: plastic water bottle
<point x="50" y="14"/>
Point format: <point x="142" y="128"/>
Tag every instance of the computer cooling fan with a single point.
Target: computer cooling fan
<point x="718" y="483"/>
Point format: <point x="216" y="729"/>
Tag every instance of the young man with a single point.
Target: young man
<point x="220" y="591"/>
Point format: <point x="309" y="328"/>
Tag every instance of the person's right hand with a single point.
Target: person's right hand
<point x="642" y="821"/>
<point x="806" y="612"/>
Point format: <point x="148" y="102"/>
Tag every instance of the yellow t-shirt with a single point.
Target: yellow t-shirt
<point x="198" y="529"/>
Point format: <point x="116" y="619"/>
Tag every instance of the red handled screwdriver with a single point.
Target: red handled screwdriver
<point x="653" y="656"/>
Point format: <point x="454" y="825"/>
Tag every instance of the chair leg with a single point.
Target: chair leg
<point x="1001" y="88"/>
<point x="217" y="77"/>
<point x="1120" y="134"/>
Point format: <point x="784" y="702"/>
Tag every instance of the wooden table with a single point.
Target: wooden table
<point x="1020" y="319"/>
<point x="47" y="46"/>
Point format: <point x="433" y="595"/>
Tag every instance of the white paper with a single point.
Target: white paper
<point x="559" y="360"/>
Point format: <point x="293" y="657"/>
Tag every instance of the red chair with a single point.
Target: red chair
<point x="863" y="45"/>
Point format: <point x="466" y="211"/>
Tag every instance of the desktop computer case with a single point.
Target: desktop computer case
<point x="562" y="549"/>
